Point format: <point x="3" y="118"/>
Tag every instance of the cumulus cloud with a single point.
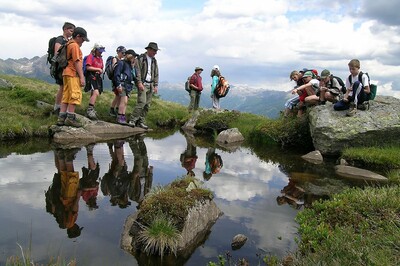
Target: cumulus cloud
<point x="254" y="44"/>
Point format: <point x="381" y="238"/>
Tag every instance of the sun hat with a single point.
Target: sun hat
<point x="152" y="45"/>
<point x="132" y="52"/>
<point x="99" y="47"/>
<point x="216" y="67"/>
<point x="198" y="68"/>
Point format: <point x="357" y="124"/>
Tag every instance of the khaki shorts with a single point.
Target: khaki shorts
<point x="72" y="93"/>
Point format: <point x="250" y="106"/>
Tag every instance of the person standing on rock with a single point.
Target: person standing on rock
<point x="215" y="74"/>
<point x="196" y="86"/>
<point x="147" y="83"/>
<point x="73" y="80"/>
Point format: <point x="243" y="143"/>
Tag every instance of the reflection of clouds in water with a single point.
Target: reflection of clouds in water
<point x="243" y="177"/>
<point x="209" y="252"/>
<point x="266" y="221"/>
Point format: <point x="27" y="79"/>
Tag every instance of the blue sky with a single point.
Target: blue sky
<point x="256" y="43"/>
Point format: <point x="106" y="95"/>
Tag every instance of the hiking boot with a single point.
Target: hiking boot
<point x="142" y="125"/>
<point x="72" y="122"/>
<point x="91" y="114"/>
<point x="61" y="120"/>
<point x="352" y="110"/>
<point x="121" y="119"/>
<point x="112" y="112"/>
<point x="363" y="106"/>
<point x="132" y="123"/>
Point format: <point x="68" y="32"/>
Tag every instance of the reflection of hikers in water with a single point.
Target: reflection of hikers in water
<point x="62" y="197"/>
<point x="214" y="163"/>
<point x="291" y="194"/>
<point x="116" y="181"/>
<point x="142" y="173"/>
<point x="89" y="183"/>
<point x="189" y="156"/>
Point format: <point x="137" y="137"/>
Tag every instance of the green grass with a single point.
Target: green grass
<point x="356" y="227"/>
<point x="378" y="157"/>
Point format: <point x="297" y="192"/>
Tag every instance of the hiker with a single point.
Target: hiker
<point x="141" y="177"/>
<point x="291" y="104"/>
<point x="357" y="92"/>
<point x="189" y="157"/>
<point x="115" y="103"/>
<point x="147" y="83"/>
<point x="329" y="90"/>
<point x="94" y="82"/>
<point x="196" y="87"/>
<point x="215" y="74"/>
<point x="124" y="78"/>
<point x="68" y="30"/>
<point x="73" y="80"/>
<point x="310" y="87"/>
<point x="89" y="182"/>
<point x="115" y="182"/>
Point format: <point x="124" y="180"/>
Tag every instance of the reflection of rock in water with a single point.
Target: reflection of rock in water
<point x="195" y="232"/>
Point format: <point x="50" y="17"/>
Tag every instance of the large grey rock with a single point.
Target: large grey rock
<point x="332" y="131"/>
<point x="229" y="136"/>
<point x="238" y="241"/>
<point x="358" y="173"/>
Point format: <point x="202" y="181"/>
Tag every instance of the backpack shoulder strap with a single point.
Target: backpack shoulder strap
<point x="360" y="76"/>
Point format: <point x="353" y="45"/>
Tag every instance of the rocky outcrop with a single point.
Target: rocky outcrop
<point x="92" y="131"/>
<point x="332" y="131"/>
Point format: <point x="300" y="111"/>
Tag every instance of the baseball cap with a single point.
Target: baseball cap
<point x="198" y="68"/>
<point x="216" y="67"/>
<point x="307" y="74"/>
<point x="99" y="47"/>
<point x="325" y="73"/>
<point x="81" y="32"/>
<point x="121" y="49"/>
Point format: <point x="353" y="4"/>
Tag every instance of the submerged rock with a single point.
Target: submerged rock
<point x="358" y="173"/>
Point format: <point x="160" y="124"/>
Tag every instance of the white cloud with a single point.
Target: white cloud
<point x="255" y="43"/>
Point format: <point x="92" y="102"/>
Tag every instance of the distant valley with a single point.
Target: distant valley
<point x="245" y="99"/>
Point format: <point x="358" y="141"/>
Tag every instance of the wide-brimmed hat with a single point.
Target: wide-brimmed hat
<point x="81" y="32"/>
<point x="198" y="68"/>
<point x="152" y="45"/>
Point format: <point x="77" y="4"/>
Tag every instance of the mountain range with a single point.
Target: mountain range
<point x="242" y="98"/>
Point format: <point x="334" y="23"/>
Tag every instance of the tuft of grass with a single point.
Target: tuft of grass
<point x="358" y="226"/>
<point x="383" y="158"/>
<point x="160" y="236"/>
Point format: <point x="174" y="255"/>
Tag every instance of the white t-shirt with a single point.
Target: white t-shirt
<point x="354" y="79"/>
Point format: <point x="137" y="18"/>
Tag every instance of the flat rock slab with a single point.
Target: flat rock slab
<point x="92" y="131"/>
<point x="358" y="173"/>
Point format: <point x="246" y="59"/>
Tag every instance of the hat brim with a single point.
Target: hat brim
<point x="149" y="47"/>
<point x="101" y="50"/>
<point x="85" y="39"/>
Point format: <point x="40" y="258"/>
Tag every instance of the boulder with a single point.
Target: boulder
<point x="229" y="136"/>
<point x="332" y="131"/>
<point x="314" y="157"/>
<point x="358" y="173"/>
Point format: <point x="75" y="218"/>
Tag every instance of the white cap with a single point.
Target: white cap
<point x="216" y="67"/>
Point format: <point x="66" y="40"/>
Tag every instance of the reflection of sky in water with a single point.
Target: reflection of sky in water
<point x="245" y="190"/>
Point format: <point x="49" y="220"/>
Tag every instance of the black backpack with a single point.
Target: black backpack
<point x="50" y="49"/>
<point x="187" y="84"/>
<point x="373" y="88"/>
<point x="341" y="83"/>
<point x="109" y="68"/>
<point x="59" y="62"/>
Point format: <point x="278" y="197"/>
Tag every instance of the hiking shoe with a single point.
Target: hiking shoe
<point x="91" y="114"/>
<point x="142" y="125"/>
<point x="121" y="119"/>
<point x="352" y="111"/>
<point x="72" y="122"/>
<point x="61" y="120"/>
<point x="132" y="123"/>
<point x="364" y="106"/>
<point x="112" y="112"/>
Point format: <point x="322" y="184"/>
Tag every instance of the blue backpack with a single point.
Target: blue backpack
<point x="84" y="63"/>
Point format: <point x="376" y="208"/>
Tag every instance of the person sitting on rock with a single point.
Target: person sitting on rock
<point x="309" y="88"/>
